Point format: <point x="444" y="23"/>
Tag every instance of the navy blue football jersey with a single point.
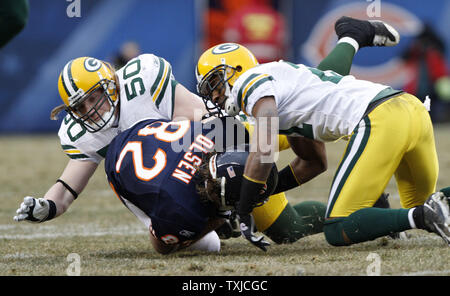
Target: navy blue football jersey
<point x="151" y="167"/>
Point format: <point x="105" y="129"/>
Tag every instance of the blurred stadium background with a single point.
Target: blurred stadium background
<point x="179" y="30"/>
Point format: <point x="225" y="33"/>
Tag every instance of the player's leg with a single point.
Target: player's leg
<point x="293" y="223"/>
<point x="404" y="124"/>
<point x="417" y="173"/>
<point x="362" y="176"/>
<point x="340" y="59"/>
<point x="352" y="35"/>
<point x="209" y="243"/>
<point x="13" y="17"/>
<point x="312" y="214"/>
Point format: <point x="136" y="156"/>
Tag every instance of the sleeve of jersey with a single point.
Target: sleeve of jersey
<point x="73" y="150"/>
<point x="76" y="153"/>
<point x="253" y="88"/>
<point x="162" y="86"/>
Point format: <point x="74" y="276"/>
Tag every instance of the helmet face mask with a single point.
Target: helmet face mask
<point x="214" y="88"/>
<point x="96" y="117"/>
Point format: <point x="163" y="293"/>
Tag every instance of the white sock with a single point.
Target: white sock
<point x="411" y="219"/>
<point x="209" y="243"/>
<point x="350" y="41"/>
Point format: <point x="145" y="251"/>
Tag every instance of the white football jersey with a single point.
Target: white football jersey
<point x="320" y="105"/>
<point x="147" y="91"/>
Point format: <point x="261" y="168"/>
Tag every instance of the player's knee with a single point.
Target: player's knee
<point x="209" y="243"/>
<point x="334" y="235"/>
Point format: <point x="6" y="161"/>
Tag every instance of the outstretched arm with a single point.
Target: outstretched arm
<point x="59" y="197"/>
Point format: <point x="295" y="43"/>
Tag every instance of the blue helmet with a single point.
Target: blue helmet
<point x="228" y="168"/>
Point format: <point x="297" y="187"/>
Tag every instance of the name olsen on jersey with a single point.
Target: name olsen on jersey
<point x="190" y="161"/>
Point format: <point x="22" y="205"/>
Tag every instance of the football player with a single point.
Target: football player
<point x="179" y="194"/>
<point x="100" y="103"/>
<point x="317" y="105"/>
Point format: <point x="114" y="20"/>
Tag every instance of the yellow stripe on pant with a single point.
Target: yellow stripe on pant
<point x="396" y="138"/>
<point x="268" y="213"/>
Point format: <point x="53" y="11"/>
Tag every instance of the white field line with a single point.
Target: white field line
<point x="52" y="231"/>
<point x="18" y="255"/>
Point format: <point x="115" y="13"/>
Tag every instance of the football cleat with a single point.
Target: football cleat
<point x="436" y="216"/>
<point x="367" y="33"/>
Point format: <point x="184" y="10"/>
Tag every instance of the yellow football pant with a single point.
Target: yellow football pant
<point x="396" y="138"/>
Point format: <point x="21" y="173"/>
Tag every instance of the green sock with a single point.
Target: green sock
<point x="296" y="222"/>
<point x="339" y="60"/>
<point x="366" y="224"/>
<point x="446" y="191"/>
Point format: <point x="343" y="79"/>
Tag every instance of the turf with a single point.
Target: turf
<point x="109" y="240"/>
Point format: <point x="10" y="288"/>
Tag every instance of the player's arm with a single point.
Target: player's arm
<point x="263" y="143"/>
<point x="259" y="163"/>
<point x="60" y="196"/>
<point x="310" y="162"/>
<point x="187" y="106"/>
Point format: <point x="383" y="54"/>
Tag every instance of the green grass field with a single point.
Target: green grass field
<point x="107" y="239"/>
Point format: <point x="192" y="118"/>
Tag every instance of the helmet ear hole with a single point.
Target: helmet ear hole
<point x="239" y="68"/>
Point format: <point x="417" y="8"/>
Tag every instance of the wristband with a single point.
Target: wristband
<point x="249" y="195"/>
<point x="286" y="180"/>
<point x="51" y="210"/>
<point x="74" y="193"/>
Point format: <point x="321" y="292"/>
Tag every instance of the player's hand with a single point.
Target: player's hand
<point x="33" y="210"/>
<point x="246" y="224"/>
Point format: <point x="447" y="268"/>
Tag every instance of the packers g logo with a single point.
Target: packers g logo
<point x="224" y="48"/>
<point x="92" y="64"/>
